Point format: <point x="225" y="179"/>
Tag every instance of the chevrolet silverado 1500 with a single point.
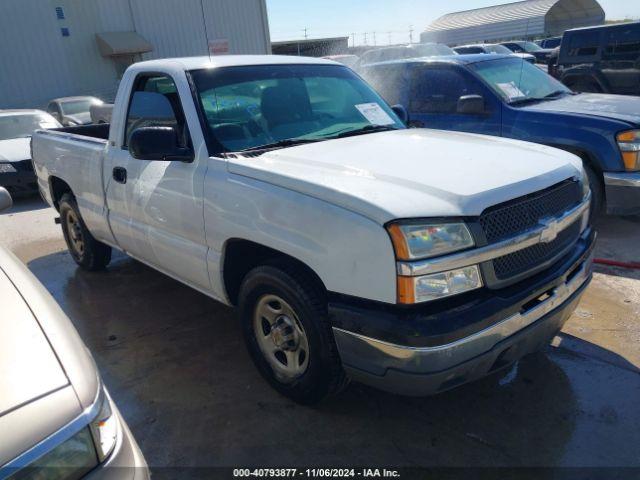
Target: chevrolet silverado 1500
<point x="410" y="259"/>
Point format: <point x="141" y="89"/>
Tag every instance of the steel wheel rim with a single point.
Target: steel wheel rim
<point x="281" y="338"/>
<point x="74" y="232"/>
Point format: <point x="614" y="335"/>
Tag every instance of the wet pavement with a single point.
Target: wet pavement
<point x="175" y="363"/>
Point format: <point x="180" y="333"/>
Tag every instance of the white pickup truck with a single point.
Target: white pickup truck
<point x="413" y="260"/>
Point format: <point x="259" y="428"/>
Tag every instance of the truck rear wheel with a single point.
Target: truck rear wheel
<point x="85" y="250"/>
<point x="288" y="334"/>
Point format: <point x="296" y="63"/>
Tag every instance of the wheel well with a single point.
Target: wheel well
<point x="241" y="256"/>
<point x="58" y="188"/>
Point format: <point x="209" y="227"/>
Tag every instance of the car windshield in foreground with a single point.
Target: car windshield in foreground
<point x="272" y="106"/>
<point x="518" y="81"/>
<point x="23" y="125"/>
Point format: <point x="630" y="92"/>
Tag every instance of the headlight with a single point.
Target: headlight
<point x="438" y="285"/>
<point x="73" y="458"/>
<point x="412" y="241"/>
<point x="629" y="144"/>
<point x="7" y="168"/>
<point x="105" y="430"/>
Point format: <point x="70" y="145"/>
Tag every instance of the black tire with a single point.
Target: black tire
<point x="324" y="375"/>
<point x="93" y="255"/>
<point x="597" y="193"/>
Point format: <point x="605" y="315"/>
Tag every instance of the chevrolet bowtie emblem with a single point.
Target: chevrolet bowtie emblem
<point x="550" y="230"/>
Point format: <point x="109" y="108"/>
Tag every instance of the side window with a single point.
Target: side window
<point x="388" y="81"/>
<point x="155" y="102"/>
<point x="584" y="44"/>
<point x="622" y="44"/>
<point x="437" y="90"/>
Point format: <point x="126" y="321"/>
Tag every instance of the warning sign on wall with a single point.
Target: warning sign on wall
<point x="219" y="46"/>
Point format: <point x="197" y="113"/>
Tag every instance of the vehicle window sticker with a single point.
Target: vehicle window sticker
<point x="511" y="90"/>
<point x="374" y="114"/>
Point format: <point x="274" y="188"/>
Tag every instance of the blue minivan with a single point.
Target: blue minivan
<point x="504" y="96"/>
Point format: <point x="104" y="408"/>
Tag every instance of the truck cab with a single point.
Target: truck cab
<point x="351" y="246"/>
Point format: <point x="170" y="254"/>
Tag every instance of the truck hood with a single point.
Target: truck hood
<point x="617" y="107"/>
<point x="412" y="173"/>
<point x="15" y="149"/>
<point x="29" y="367"/>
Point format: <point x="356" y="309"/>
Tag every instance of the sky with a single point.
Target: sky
<point x="391" y="20"/>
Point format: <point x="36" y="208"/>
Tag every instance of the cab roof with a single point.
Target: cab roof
<point x="199" y="63"/>
<point x="464" y="59"/>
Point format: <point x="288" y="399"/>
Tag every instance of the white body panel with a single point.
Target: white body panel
<point x="324" y="204"/>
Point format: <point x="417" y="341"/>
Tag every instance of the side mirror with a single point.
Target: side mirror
<point x="401" y="112"/>
<point x="471" y="105"/>
<point x="158" y="143"/>
<point x="5" y="199"/>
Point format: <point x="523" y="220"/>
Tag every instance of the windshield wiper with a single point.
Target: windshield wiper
<point x="549" y="96"/>
<point x="289" y="142"/>
<point x="364" y="130"/>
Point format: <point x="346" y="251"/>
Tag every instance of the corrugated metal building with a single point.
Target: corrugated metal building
<point x="524" y="20"/>
<point x="53" y="48"/>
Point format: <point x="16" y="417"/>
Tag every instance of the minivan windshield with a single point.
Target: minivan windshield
<point x="518" y="81"/>
<point x="252" y="107"/>
<point x="23" y="125"/>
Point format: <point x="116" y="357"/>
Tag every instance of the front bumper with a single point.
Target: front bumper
<point x="423" y="352"/>
<point x="622" y="190"/>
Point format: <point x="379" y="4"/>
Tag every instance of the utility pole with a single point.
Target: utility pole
<point x="410" y="34"/>
<point x="375" y="42"/>
<point x="305" y="33"/>
<point x="365" y="38"/>
<point x="353" y="35"/>
<point x="389" y="35"/>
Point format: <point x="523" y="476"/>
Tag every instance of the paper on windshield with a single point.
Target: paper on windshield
<point x="511" y="90"/>
<point x="375" y="114"/>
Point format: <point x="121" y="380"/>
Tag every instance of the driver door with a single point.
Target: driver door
<point x="155" y="206"/>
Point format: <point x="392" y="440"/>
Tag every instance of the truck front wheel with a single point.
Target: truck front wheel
<point x="85" y="250"/>
<point x="288" y="334"/>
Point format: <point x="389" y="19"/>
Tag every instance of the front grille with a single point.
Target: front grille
<point x="529" y="258"/>
<point x="522" y="214"/>
<point x="517" y="216"/>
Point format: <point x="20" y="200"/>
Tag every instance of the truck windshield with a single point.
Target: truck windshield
<point x="518" y="81"/>
<point x="255" y="106"/>
<point x="22" y="126"/>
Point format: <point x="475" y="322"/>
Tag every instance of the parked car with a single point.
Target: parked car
<point x="602" y="59"/>
<point x="549" y="43"/>
<point x="352" y="247"/>
<point x="404" y="51"/>
<point x="57" y="420"/>
<point x="492" y="48"/>
<point x="71" y="111"/>
<point x="101" y="113"/>
<point x="505" y="97"/>
<point x="16" y="127"/>
<point x="348" y="60"/>
<point x="541" y="54"/>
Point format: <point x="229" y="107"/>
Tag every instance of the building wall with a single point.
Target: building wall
<point x="520" y="29"/>
<point x="38" y="63"/>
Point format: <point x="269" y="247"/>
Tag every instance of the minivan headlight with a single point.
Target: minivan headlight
<point x="629" y="144"/>
<point x="413" y="241"/>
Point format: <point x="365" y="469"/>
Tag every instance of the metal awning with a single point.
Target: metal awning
<point x="112" y="44"/>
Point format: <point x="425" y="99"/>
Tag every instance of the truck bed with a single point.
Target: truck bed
<point x="95" y="131"/>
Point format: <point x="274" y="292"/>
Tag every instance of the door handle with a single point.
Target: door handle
<point x="120" y="174"/>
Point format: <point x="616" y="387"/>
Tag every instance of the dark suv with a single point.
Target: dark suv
<point x="601" y="59"/>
